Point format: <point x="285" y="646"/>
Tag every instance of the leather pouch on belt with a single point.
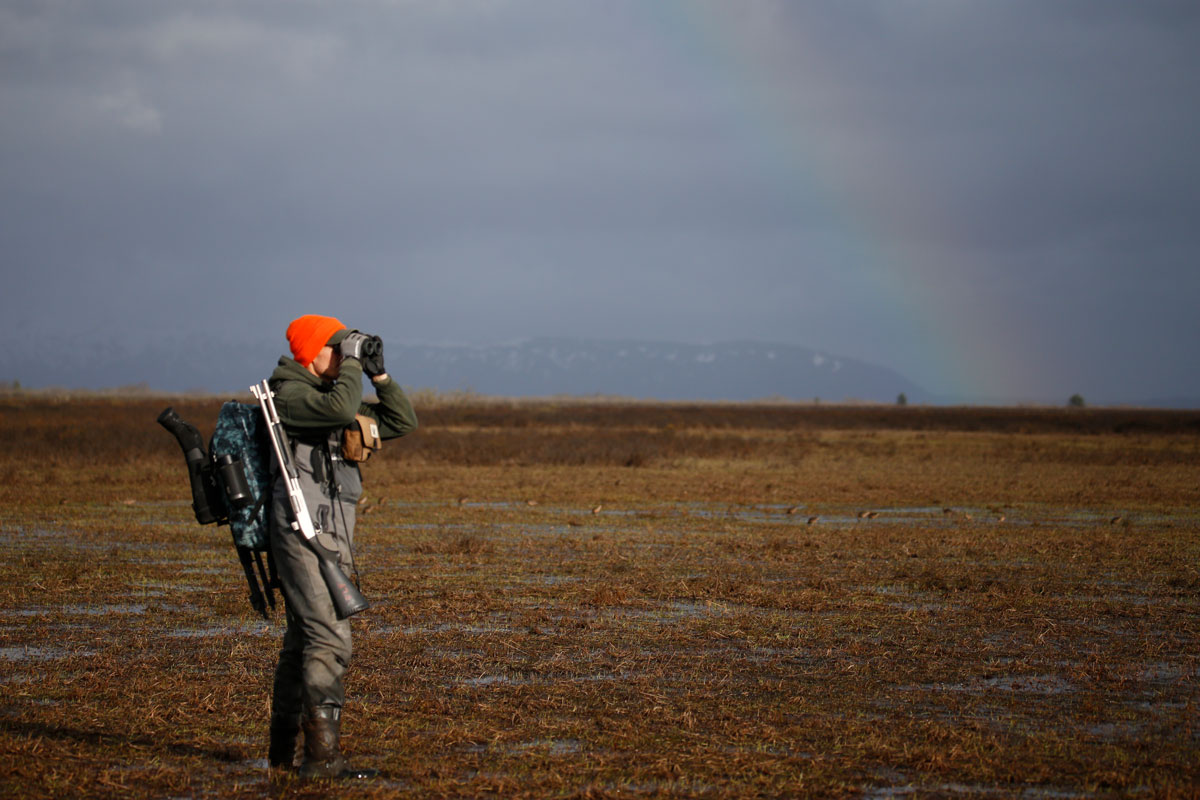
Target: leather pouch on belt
<point x="360" y="439"/>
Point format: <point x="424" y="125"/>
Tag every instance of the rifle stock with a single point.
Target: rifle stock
<point x="347" y="600"/>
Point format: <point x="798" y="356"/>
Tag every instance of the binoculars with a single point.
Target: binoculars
<point x="372" y="347"/>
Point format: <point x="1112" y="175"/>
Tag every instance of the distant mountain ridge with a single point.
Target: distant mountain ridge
<point x="536" y="367"/>
<point x="649" y="369"/>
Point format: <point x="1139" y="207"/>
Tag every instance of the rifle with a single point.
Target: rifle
<point x="347" y="600"/>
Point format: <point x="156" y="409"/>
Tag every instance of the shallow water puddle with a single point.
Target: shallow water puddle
<point x="442" y="627"/>
<point x="155" y="588"/>
<point x="934" y="516"/>
<point x="970" y="790"/>
<point x="104" y="610"/>
<point x="97" y="610"/>
<point x="552" y="747"/>
<point x="28" y="653"/>
<point x="231" y="629"/>
<point x="484" y="681"/>
<point x="1025" y="684"/>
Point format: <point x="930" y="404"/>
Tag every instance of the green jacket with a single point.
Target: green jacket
<point x="308" y="405"/>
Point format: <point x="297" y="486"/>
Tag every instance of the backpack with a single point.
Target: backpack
<point x="241" y="434"/>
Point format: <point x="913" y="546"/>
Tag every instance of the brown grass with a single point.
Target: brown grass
<point x="603" y="600"/>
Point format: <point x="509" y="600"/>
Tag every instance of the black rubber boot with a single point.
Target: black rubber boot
<point x="285" y="735"/>
<point x="322" y="747"/>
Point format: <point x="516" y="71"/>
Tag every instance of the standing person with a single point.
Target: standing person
<point x="318" y="392"/>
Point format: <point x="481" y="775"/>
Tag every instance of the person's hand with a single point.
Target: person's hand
<point x="353" y="345"/>
<point x="372" y="358"/>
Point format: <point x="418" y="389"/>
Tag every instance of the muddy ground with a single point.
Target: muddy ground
<point x="614" y="600"/>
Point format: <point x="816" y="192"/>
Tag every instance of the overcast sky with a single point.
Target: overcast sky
<point x="997" y="199"/>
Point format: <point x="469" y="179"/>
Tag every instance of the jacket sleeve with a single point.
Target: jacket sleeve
<point x="307" y="406"/>
<point x="393" y="412"/>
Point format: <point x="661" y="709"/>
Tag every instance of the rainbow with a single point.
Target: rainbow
<point x="893" y="235"/>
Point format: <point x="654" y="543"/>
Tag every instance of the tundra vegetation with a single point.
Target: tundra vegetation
<point x="615" y="600"/>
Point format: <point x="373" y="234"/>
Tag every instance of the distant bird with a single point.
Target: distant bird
<point x="793" y="509"/>
<point x="1001" y="518"/>
<point x="947" y="510"/>
<point x="462" y="500"/>
<point x="1117" y="520"/>
<point x="868" y="514"/>
<point x="531" y="502"/>
<point x="596" y="510"/>
<point x="811" y="520"/>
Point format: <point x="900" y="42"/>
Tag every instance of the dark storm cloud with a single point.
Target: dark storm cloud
<point x="1031" y="121"/>
<point x="689" y="171"/>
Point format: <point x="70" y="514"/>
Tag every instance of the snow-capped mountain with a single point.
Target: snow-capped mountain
<point x="661" y="370"/>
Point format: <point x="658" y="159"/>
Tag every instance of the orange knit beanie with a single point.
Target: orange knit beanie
<point x="308" y="334"/>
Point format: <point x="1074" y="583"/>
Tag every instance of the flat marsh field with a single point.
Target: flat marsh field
<point x="622" y="600"/>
